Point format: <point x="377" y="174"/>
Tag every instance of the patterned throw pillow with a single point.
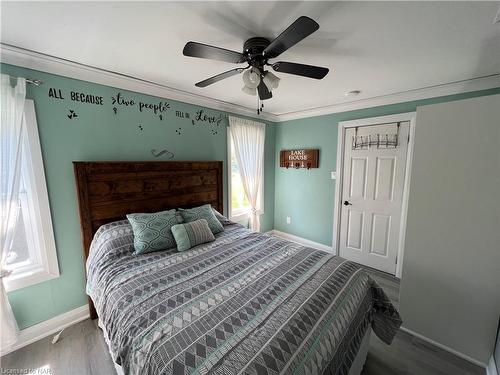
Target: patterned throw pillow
<point x="152" y="232"/>
<point x="191" y="234"/>
<point x="202" y="212"/>
<point x="223" y="220"/>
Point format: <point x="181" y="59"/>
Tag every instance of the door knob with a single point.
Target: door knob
<point x="346" y="203"/>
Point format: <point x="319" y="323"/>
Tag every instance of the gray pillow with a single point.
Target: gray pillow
<point x="202" y="212"/>
<point x="191" y="234"/>
<point x="152" y="232"/>
<point x="223" y="220"/>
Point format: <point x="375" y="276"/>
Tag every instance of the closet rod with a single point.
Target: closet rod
<point x="31" y="81"/>
<point x="35" y="82"/>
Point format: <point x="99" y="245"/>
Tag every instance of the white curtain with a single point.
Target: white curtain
<point x="248" y="139"/>
<point x="11" y="130"/>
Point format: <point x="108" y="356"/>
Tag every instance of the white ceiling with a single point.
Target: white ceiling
<point x="379" y="48"/>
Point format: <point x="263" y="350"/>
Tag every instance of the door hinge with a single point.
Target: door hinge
<point x="396" y="260"/>
<point x="408" y="138"/>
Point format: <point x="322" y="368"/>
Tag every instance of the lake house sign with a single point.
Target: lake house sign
<point x="302" y="158"/>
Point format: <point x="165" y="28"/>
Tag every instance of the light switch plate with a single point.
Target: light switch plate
<point x="333" y="175"/>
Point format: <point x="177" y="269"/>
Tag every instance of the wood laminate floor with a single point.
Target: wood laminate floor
<point x="82" y="350"/>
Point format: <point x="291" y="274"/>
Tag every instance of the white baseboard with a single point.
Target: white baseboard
<point x="302" y="241"/>
<point x="492" y="368"/>
<point x="39" y="331"/>
<point x="444" y="347"/>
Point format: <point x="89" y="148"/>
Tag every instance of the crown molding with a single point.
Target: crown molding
<point x="46" y="63"/>
<point x="50" y="64"/>
<point x="459" y="87"/>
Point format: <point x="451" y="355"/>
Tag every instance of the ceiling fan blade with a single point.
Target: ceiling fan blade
<point x="303" y="70"/>
<point x="263" y="91"/>
<point x="301" y="28"/>
<point x="204" y="51"/>
<point x="219" y="77"/>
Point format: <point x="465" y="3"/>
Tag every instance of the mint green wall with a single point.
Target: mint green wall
<point x="307" y="196"/>
<point x="98" y="134"/>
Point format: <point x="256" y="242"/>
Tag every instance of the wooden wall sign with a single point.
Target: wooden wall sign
<point x="302" y="158"/>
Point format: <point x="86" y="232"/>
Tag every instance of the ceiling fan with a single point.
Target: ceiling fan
<point x="256" y="53"/>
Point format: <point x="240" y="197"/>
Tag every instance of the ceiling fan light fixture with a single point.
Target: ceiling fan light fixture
<point x="271" y="81"/>
<point x="249" y="91"/>
<point x="257" y="52"/>
<point x="251" y="78"/>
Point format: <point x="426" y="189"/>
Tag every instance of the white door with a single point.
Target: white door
<point x="372" y="192"/>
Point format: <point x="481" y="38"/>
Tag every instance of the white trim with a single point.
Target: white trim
<point x="239" y="216"/>
<point x="28" y="277"/>
<point x="342" y="126"/>
<point x="47" y="267"/>
<point x="444" y="347"/>
<point x="452" y="88"/>
<point x="406" y="197"/>
<point x="301" y="241"/>
<point x="492" y="367"/>
<point x="35" y="60"/>
<point x="46" y="63"/>
<point x="39" y="331"/>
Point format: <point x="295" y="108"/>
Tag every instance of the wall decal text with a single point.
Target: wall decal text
<point x="156" y="108"/>
<point x="86" y="98"/>
<point x="202" y="117"/>
<point x="181" y="114"/>
<point x="55" y="93"/>
<point x="119" y="100"/>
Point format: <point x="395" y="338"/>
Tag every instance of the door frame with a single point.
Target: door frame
<point x="342" y="127"/>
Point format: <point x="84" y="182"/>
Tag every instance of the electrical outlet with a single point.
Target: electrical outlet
<point x="288" y="220"/>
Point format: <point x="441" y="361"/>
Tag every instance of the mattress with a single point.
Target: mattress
<point x="245" y="303"/>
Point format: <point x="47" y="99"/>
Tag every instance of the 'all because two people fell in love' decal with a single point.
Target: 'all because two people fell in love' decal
<point x="119" y="102"/>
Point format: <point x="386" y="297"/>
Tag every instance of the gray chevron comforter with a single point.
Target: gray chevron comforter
<point x="247" y="303"/>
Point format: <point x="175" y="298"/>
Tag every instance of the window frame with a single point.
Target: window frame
<point x="242" y="213"/>
<point x="46" y="266"/>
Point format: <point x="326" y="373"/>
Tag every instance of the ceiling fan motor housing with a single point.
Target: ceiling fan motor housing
<point x="253" y="50"/>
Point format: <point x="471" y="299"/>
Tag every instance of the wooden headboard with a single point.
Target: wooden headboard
<point x="107" y="191"/>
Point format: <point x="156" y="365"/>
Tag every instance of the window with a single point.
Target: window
<point x="239" y="201"/>
<point x="239" y="205"/>
<point x="32" y="255"/>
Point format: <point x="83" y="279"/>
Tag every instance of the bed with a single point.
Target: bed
<point x="246" y="303"/>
